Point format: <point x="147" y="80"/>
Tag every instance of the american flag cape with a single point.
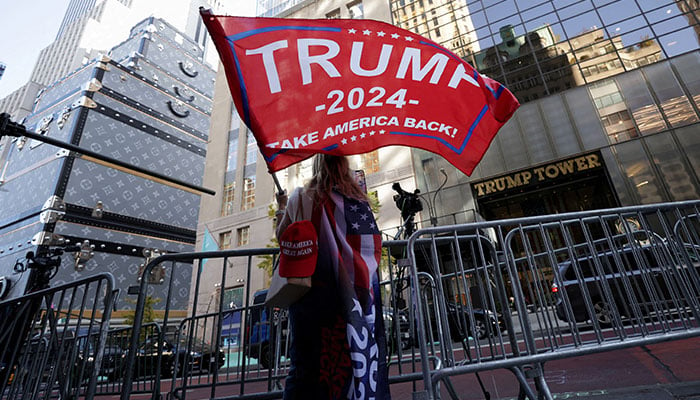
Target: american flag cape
<point x="349" y="231"/>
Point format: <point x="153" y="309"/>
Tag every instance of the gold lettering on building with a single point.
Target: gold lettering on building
<point x="540" y="174"/>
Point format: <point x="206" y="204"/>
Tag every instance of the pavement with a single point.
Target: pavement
<point x="675" y="391"/>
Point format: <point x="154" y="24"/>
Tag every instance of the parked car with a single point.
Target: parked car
<point x="486" y="322"/>
<point x="397" y="330"/>
<point x="263" y="323"/>
<point x="202" y="358"/>
<point x="630" y="283"/>
<point x="110" y="367"/>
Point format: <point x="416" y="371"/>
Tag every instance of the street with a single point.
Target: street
<point x="583" y="377"/>
<point x="589" y="376"/>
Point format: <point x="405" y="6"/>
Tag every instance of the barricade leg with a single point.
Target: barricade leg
<point x="535" y="372"/>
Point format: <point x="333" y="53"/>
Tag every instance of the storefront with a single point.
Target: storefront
<point x="573" y="184"/>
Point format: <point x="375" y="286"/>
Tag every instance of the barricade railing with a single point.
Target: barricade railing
<point x="52" y="341"/>
<point x="117" y="342"/>
<point x="457" y="299"/>
<point x="516" y="293"/>
<point x="247" y="342"/>
<point x="208" y="353"/>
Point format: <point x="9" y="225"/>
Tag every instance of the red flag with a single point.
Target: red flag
<point x="350" y="86"/>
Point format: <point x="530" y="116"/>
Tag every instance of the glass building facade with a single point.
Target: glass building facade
<point x="610" y="103"/>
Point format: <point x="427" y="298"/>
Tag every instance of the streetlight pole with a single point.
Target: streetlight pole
<point x="431" y="203"/>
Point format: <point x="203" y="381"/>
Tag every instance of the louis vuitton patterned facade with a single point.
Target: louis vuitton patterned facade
<point x="147" y="103"/>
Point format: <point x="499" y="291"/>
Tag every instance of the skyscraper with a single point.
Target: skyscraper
<point x="76" y="9"/>
<point x="91" y="27"/>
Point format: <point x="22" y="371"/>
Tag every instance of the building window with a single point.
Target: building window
<point x="229" y="195"/>
<point x="335" y="14"/>
<point x="370" y="162"/>
<point x="356" y="10"/>
<point x="248" y="193"/>
<point x="225" y="240"/>
<point x="231" y="164"/>
<point x="242" y="236"/>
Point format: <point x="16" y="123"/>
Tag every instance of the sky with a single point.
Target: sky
<point x="21" y="40"/>
<point x="23" y="35"/>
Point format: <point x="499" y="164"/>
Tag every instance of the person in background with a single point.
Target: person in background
<point x="338" y="348"/>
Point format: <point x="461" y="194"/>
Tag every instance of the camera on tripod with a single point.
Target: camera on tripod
<point x="409" y="204"/>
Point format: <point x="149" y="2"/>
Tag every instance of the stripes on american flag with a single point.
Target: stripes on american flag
<point x="358" y="244"/>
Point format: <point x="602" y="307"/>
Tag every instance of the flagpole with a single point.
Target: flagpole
<point x="277" y="183"/>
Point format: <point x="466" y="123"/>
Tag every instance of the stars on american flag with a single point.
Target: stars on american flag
<point x="359" y="217"/>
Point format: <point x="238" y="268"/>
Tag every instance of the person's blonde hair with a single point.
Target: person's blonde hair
<point x="332" y="172"/>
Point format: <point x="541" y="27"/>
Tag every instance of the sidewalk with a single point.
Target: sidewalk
<point x="674" y="391"/>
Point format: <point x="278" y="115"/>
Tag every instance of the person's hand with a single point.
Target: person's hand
<point x="281" y="200"/>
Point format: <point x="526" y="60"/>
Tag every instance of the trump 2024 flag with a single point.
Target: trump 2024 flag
<point x="351" y="86"/>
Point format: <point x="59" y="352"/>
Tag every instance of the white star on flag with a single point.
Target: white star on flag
<point x="381" y="132"/>
<point x="381" y="34"/>
<point x="354" y="208"/>
<point x="364" y="217"/>
<point x="344" y="141"/>
<point x="371" y="225"/>
<point x="409" y="39"/>
<point x="353" y="138"/>
<point x="394" y="35"/>
<point x="355" y="226"/>
<point x="363" y="135"/>
<point x="371" y="133"/>
<point x="351" y="31"/>
<point x="366" y="32"/>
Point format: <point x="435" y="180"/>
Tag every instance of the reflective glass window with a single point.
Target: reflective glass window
<point x="618" y="11"/>
<point x="492" y="162"/>
<point x="624" y="27"/>
<point x="585" y="118"/>
<point x="690" y="142"/>
<point x="559" y="126"/>
<point x="512" y="145"/>
<point x="679" y="42"/>
<point x="617" y="177"/>
<point x="535" y="134"/>
<point x="543" y="10"/>
<point x="582" y="23"/>
<point x="639" y="102"/>
<point x="687" y="69"/>
<point x="500" y="11"/>
<point x="600" y="3"/>
<point x="612" y="111"/>
<point x="639" y="172"/>
<point x="573" y="9"/>
<point x="663" y="13"/>
<point x="672" y="168"/>
<point x="669" y="25"/>
<point x="669" y="94"/>
<point x="649" y="5"/>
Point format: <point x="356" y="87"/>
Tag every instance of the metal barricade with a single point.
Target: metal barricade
<point x="516" y="293"/>
<point x="240" y="351"/>
<point x="214" y="354"/>
<point x="52" y="341"/>
<point x="459" y="299"/>
<point x="117" y="342"/>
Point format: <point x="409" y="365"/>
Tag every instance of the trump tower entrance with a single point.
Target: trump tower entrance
<point x="574" y="184"/>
